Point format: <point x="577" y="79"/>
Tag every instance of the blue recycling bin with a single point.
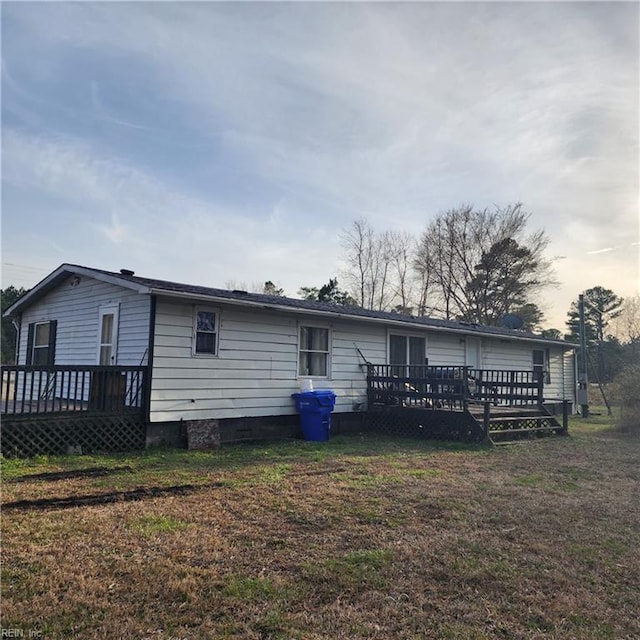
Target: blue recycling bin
<point x="315" y="409"/>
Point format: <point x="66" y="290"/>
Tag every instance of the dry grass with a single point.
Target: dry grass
<point x="356" y="538"/>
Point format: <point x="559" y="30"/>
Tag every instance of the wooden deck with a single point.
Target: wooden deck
<point x="451" y="386"/>
<point x="58" y="409"/>
<point x="492" y="405"/>
<point x="56" y="389"/>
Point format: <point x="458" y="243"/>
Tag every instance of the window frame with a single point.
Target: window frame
<point x="49" y="348"/>
<point x="43" y="347"/>
<point x="112" y="309"/>
<point x="216" y="332"/>
<point x="408" y="335"/>
<point x="545" y="366"/>
<point x="327" y="353"/>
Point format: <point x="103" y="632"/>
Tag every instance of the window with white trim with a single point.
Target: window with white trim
<point x="205" y="332"/>
<point x="541" y="364"/>
<point x="313" y="352"/>
<point x="407" y="349"/>
<point x="41" y="343"/>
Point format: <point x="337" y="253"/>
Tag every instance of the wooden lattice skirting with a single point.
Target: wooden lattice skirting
<point x="409" y="422"/>
<point x="26" y="436"/>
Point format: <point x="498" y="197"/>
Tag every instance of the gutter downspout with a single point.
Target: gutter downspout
<point x="152" y="334"/>
<point x="17" y="326"/>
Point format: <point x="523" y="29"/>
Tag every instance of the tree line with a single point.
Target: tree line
<point x="472" y="265"/>
<point x="468" y="264"/>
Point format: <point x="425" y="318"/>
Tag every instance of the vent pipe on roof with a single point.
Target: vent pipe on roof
<point x="127" y="272"/>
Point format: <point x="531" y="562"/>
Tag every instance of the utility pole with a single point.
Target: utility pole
<point x="583" y="382"/>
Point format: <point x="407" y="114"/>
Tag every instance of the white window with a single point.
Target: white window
<point x="407" y="349"/>
<point x="40" y="354"/>
<point x="313" y="352"/>
<point x="541" y="364"/>
<point x="205" y="332"/>
<point x="41" y="343"/>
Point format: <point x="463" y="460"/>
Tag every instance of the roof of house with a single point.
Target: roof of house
<point x="152" y="286"/>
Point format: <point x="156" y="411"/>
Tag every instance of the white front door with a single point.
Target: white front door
<point x="472" y="353"/>
<point x="108" y="335"/>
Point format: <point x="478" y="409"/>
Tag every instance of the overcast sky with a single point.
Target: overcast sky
<point x="209" y="142"/>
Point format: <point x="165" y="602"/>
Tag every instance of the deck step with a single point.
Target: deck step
<point x="538" y="417"/>
<point x="531" y="430"/>
<point x="528" y="441"/>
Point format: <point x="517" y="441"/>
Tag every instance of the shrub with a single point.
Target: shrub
<point x="626" y="395"/>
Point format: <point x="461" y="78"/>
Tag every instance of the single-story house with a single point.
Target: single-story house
<point x="236" y="357"/>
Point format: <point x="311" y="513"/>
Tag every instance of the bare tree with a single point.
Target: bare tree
<point x="369" y="258"/>
<point x="462" y="256"/>
<point x="626" y="326"/>
<point x="379" y="271"/>
<point x="400" y="247"/>
<point x="255" y="287"/>
<point x="358" y="243"/>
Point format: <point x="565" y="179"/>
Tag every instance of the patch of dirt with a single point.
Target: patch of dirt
<point x="70" y="502"/>
<point x="53" y="476"/>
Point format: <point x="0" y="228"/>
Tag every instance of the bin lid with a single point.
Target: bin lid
<point x="317" y="393"/>
<point x="320" y="398"/>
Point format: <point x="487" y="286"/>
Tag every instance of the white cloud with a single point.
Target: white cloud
<point x="395" y="111"/>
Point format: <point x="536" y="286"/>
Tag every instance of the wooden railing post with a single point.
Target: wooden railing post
<point x="540" y="382"/>
<point x="486" y="419"/>
<point x="466" y="394"/>
<point x="565" y="417"/>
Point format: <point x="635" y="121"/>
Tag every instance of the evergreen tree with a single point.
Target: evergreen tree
<point x="271" y="289"/>
<point x="601" y="306"/>
<point x="9" y="333"/>
<point x="327" y="293"/>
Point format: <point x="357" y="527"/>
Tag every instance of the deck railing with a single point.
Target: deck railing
<point x="36" y="389"/>
<point x="503" y="387"/>
<point x="452" y="387"/>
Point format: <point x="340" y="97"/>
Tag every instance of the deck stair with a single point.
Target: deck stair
<point x="509" y="425"/>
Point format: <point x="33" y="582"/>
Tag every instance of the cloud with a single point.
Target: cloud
<point x="605" y="250"/>
<point x="150" y="223"/>
<point x="116" y="231"/>
<point x="239" y="138"/>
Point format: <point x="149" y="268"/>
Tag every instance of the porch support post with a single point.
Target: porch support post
<point x="540" y="382"/>
<point x="465" y="388"/>
<point x="486" y="418"/>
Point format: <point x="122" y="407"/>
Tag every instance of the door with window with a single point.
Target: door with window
<point x="541" y="369"/>
<point x="472" y="353"/>
<point x="108" y="335"/>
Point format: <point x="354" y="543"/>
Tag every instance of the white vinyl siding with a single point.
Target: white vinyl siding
<point x="76" y="308"/>
<point x="256" y="370"/>
<point x="508" y="355"/>
<point x="555" y="387"/>
<point x="253" y="375"/>
<point x="568" y="367"/>
<point x="445" y="349"/>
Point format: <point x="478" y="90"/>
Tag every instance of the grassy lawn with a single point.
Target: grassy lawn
<point x="356" y="538"/>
